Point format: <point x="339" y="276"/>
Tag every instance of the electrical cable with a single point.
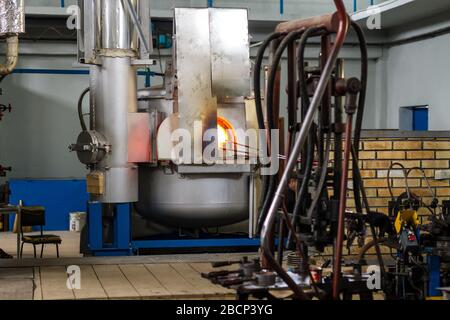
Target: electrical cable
<point x="361" y="107"/>
<point x="293" y="36"/>
<point x="80" y="109"/>
<point x="259" y="110"/>
<point x="307" y="169"/>
<point x="367" y="207"/>
<point x="405" y="174"/>
<point x="322" y="180"/>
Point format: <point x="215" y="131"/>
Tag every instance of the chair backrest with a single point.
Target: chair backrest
<point x="32" y="217"/>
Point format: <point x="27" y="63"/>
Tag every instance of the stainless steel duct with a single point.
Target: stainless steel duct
<point x="115" y="98"/>
<point x="111" y="37"/>
<point x="12" y="22"/>
<point x="118" y="31"/>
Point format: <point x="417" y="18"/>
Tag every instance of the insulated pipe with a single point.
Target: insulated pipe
<point x="12" y="55"/>
<point x="12" y="23"/>
<point x="344" y="22"/>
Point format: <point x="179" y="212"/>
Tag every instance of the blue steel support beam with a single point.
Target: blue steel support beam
<point x="199" y="243"/>
<point x="95" y="226"/>
<point x="122" y="227"/>
<point x="434" y="275"/>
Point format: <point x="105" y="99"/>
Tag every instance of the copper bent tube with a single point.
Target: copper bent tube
<point x="344" y="23"/>
<point x="342" y="207"/>
<point x="330" y="22"/>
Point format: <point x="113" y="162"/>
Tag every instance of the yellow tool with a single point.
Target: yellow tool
<point x="408" y="217"/>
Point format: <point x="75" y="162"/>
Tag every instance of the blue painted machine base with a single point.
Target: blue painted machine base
<point x="123" y="245"/>
<point x="434" y="275"/>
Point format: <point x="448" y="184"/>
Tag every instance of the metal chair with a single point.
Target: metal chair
<point x="35" y="217"/>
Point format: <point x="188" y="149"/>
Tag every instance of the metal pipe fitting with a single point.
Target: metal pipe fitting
<point x="12" y="55"/>
<point x="12" y="22"/>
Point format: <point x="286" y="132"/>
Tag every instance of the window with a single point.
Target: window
<point x="414" y="118"/>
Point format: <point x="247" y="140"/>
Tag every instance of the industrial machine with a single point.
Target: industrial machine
<point x="322" y="94"/>
<point x="420" y="247"/>
<point x="181" y="155"/>
<point x="130" y="145"/>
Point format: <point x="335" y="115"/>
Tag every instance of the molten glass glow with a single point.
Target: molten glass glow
<point x="225" y="133"/>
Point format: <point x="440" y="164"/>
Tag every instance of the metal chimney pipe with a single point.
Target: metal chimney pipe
<point x="114" y="89"/>
<point x="12" y="22"/>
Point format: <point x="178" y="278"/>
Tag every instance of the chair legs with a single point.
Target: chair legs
<point x="42" y="250"/>
<point x="21" y="250"/>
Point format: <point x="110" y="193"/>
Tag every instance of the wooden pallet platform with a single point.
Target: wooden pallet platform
<point x="178" y="281"/>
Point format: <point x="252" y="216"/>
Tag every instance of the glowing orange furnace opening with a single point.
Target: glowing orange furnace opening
<point x="225" y="134"/>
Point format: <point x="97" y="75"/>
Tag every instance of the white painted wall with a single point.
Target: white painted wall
<point x="418" y="73"/>
<point x="34" y="138"/>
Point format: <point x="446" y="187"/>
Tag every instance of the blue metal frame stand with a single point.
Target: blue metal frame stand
<point x="434" y="275"/>
<point x="121" y="245"/>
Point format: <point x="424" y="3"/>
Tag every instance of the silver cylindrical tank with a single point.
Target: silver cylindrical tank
<point x="115" y="97"/>
<point x="194" y="200"/>
<point x="113" y="86"/>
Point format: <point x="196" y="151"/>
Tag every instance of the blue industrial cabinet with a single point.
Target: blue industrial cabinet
<point x="59" y="197"/>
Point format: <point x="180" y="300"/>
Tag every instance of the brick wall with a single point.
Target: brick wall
<point x="378" y="151"/>
<point x="378" y="154"/>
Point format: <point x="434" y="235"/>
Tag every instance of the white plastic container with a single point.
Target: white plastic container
<point x="77" y="221"/>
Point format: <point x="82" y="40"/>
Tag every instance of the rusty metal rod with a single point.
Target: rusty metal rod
<point x="304" y="130"/>
<point x="342" y="207"/>
<point x="268" y="255"/>
<point x="331" y="22"/>
<point x="353" y="88"/>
